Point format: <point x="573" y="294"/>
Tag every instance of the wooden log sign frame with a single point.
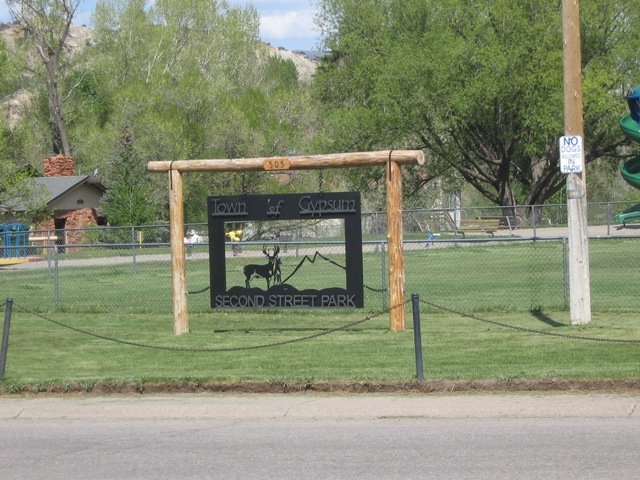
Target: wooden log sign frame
<point x="391" y="159"/>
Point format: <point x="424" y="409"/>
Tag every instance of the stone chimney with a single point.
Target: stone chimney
<point x="59" y="166"/>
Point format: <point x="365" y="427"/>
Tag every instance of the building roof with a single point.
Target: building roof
<point x="53" y="188"/>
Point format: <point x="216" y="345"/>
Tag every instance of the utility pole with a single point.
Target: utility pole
<point x="579" y="279"/>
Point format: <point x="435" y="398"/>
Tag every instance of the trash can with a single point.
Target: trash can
<point x="15" y="238"/>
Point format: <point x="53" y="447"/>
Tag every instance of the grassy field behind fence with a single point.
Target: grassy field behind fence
<point x="519" y="284"/>
<point x="510" y="276"/>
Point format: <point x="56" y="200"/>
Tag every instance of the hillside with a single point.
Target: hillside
<point x="80" y="37"/>
<point x="306" y="67"/>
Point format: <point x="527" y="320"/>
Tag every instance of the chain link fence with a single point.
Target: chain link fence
<point x="522" y="265"/>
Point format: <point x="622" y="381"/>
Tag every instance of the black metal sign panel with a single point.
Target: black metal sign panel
<point x="293" y="286"/>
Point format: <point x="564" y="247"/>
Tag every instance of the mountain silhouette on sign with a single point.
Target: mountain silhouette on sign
<point x="307" y="258"/>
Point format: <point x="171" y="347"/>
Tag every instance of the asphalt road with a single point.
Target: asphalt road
<point x="320" y="437"/>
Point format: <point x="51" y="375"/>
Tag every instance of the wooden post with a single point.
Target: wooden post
<point x="178" y="267"/>
<point x="394" y="241"/>
<point x="579" y="277"/>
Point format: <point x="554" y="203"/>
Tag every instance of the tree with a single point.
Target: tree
<point x="16" y="185"/>
<point x="170" y="67"/>
<point x="8" y="70"/>
<point x="192" y="80"/>
<point x="19" y="194"/>
<point x="128" y="199"/>
<point x="47" y="23"/>
<point x="477" y="85"/>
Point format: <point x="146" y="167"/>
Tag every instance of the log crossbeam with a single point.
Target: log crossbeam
<point x="313" y="162"/>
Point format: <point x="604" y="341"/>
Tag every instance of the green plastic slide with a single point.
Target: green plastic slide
<point x="630" y="170"/>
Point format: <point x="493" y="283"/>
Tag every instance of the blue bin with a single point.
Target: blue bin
<point x="15" y="238"/>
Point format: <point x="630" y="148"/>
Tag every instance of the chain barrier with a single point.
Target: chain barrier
<point x="525" y="329"/>
<point x="199" y="291"/>
<point x="377" y="290"/>
<point x="210" y="350"/>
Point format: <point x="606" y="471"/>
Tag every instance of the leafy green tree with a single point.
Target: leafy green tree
<point x="20" y="197"/>
<point x="169" y="67"/>
<point x="192" y="80"/>
<point x="16" y="185"/>
<point x="128" y="200"/>
<point x="9" y="178"/>
<point x="477" y="85"/>
<point x="47" y="23"/>
<point x="8" y="71"/>
<point x="7" y="86"/>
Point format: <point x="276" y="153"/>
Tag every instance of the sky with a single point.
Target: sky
<point x="283" y="23"/>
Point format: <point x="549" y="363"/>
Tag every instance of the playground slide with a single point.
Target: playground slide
<point x="630" y="170"/>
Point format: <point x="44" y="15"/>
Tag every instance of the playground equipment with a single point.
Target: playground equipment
<point x="15" y="239"/>
<point x="630" y="170"/>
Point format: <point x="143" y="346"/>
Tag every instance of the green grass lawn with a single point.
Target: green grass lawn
<point x="520" y="284"/>
<point x="455" y="348"/>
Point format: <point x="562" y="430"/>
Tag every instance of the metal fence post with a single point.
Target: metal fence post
<point x="49" y="252"/>
<point x="417" y="335"/>
<point x="5" y="336"/>
<point x="133" y="249"/>
<point x="56" y="279"/>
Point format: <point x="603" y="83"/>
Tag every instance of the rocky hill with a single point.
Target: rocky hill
<point x="79" y="37"/>
<point x="306" y="67"/>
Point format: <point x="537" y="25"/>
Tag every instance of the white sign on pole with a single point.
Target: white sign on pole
<point x="571" y="154"/>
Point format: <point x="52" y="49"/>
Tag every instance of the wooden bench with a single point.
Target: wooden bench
<point x="43" y="241"/>
<point x="37" y="243"/>
<point x="505" y="221"/>
<point x="482" y="225"/>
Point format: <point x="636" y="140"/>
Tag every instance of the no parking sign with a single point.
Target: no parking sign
<point x="571" y="154"/>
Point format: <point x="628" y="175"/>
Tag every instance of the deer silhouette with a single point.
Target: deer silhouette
<point x="266" y="271"/>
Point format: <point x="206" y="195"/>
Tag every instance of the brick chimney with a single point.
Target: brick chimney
<point x="59" y="166"/>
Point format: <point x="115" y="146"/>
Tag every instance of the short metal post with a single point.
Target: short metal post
<point x="383" y="269"/>
<point x="5" y="336"/>
<point x="133" y="250"/>
<point x="417" y="335"/>
<point x="533" y="220"/>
